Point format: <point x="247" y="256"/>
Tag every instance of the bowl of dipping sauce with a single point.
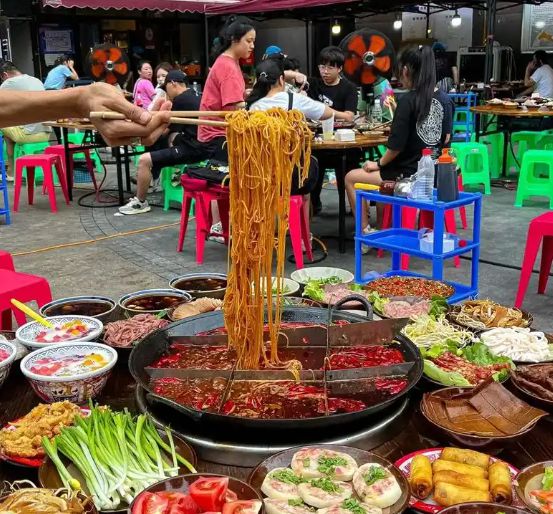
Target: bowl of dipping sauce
<point x="152" y="300"/>
<point x="99" y="307"/>
<point x="201" y="285"/>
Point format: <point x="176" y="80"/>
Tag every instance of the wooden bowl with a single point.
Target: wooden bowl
<point x="531" y="397"/>
<point x="89" y="509"/>
<point x="529" y="478"/>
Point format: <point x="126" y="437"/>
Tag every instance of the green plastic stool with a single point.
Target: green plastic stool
<point x="530" y="183"/>
<point x="135" y="158"/>
<point x="494" y="143"/>
<point x="474" y="162"/>
<point x="524" y="140"/>
<point x="171" y="192"/>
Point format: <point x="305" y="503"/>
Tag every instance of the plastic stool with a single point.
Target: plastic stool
<point x="525" y="140"/>
<point x="299" y="230"/>
<point x="540" y="229"/>
<point x="530" y="183"/>
<point x="47" y="163"/>
<point x="409" y="220"/>
<point x="495" y="143"/>
<point x="137" y="148"/>
<point x="171" y="193"/>
<point x="59" y="150"/>
<point x="22" y="149"/>
<point x="203" y="194"/>
<point x="5" y="208"/>
<point x="474" y="162"/>
<point x="22" y="287"/>
<point x="6" y="261"/>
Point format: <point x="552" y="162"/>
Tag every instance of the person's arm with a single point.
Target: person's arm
<point x="530" y="79"/>
<point x="338" y="115"/>
<point x="455" y="74"/>
<point x="295" y="76"/>
<point x="25" y="107"/>
<point x="73" y="74"/>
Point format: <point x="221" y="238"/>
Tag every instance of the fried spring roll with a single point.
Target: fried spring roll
<point x="420" y="478"/>
<point x="449" y="494"/>
<point x="500" y="483"/>
<point x="466" y="457"/>
<point x="464" y="469"/>
<point x="471" y="482"/>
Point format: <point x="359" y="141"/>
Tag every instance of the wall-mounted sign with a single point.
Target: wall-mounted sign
<point x="537" y="27"/>
<point x="56" y="40"/>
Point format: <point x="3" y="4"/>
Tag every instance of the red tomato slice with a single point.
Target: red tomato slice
<point x="183" y="501"/>
<point x="242" y="507"/>
<point x="138" y="505"/>
<point x="209" y="493"/>
<point x="156" y="504"/>
<point x="231" y="496"/>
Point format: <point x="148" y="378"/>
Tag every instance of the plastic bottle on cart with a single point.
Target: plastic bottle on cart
<point x="424" y="178"/>
<point x="196" y="87"/>
<point x="377" y="112"/>
<point x="448" y="187"/>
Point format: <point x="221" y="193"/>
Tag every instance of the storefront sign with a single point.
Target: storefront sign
<point x="537" y="27"/>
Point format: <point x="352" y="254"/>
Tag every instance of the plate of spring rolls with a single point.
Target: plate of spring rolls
<point x="441" y="477"/>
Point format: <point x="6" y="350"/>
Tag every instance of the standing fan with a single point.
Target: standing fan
<point x="109" y="64"/>
<point x="369" y="55"/>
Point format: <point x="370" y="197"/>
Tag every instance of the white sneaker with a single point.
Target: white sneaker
<point x="217" y="228"/>
<point x="135" y="206"/>
<point x="365" y="249"/>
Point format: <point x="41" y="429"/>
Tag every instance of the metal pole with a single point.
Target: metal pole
<point x="207" y="44"/>
<point x="427" y="20"/>
<point x="490" y="36"/>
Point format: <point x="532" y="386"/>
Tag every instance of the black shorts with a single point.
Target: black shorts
<point x="186" y="152"/>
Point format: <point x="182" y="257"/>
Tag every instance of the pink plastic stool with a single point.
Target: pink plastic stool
<point x="540" y="228"/>
<point x="299" y="230"/>
<point x="59" y="150"/>
<point x="203" y="193"/>
<point x="6" y="261"/>
<point x="409" y="220"/>
<point x="22" y="287"/>
<point x="47" y="163"/>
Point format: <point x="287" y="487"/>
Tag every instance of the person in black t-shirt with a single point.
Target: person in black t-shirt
<point x="339" y="93"/>
<point x="180" y="147"/>
<point x="423" y="119"/>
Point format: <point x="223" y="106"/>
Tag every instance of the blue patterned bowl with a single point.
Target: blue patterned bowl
<point x="6" y="364"/>
<point x="78" y="387"/>
<point x="26" y="334"/>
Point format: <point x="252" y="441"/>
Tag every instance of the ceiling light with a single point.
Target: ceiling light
<point x="336" y="28"/>
<point x="540" y="24"/>
<point x="456" y="20"/>
<point x="398" y="22"/>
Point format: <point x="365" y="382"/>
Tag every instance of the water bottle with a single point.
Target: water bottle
<point x="448" y="187"/>
<point x="424" y="178"/>
<point x="377" y="112"/>
<point x="196" y="87"/>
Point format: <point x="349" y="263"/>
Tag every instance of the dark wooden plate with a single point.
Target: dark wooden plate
<point x="284" y="458"/>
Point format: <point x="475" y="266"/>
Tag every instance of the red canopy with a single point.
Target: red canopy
<point x="201" y="6"/>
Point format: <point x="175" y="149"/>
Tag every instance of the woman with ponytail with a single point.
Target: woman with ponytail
<point x="423" y="119"/>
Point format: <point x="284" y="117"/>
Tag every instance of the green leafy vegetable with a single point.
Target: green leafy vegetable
<point x="306" y="462"/>
<point x="300" y="503"/>
<point x="547" y="480"/>
<point x="479" y="353"/>
<point x="314" y="290"/>
<point x="374" y="474"/>
<point x="354" y="506"/>
<point x="118" y="455"/>
<point x="448" y="378"/>
<point x="438" y="306"/>
<point x="287" y="476"/>
<point x="326" y="485"/>
<point x="378" y="301"/>
<point x="356" y="288"/>
<point x="328" y="465"/>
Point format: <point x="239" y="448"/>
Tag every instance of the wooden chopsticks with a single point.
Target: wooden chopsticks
<point x="177" y="117"/>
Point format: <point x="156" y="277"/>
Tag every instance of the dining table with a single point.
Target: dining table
<point x="408" y="435"/>
<point x="366" y="141"/>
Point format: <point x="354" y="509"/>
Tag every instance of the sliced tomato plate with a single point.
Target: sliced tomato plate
<point x="27" y="462"/>
<point x="428" y="504"/>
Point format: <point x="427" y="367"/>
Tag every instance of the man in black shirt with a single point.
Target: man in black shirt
<point x="339" y="93"/>
<point x="181" y="144"/>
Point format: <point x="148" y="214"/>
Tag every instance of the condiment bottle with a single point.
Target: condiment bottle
<point x="446" y="171"/>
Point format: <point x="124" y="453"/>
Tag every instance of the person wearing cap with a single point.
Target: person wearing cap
<point x="272" y="50"/>
<point x="180" y="147"/>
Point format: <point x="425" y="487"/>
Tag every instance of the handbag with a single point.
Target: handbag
<point x="213" y="171"/>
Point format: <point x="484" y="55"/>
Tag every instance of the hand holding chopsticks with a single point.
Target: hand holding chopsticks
<point x="177" y="117"/>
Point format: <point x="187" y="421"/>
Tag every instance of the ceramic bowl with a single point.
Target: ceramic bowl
<point x="78" y="388"/>
<point x="482" y="508"/>
<point x="6" y="364"/>
<point x="26" y="334"/>
<point x="306" y="274"/>
<point x="182" y="483"/>
<point x="289" y="287"/>
<point x="199" y="293"/>
<point x="528" y="480"/>
<point x="81" y="306"/>
<point x="128" y="301"/>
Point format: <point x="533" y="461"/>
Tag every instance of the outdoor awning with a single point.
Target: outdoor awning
<point x="200" y="6"/>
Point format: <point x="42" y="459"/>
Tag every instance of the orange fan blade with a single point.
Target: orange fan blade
<point x="357" y="46"/>
<point x="368" y="76"/>
<point x="377" y="44"/>
<point x="352" y="64"/>
<point x="122" y="68"/>
<point x="383" y="63"/>
<point x="114" y="54"/>
<point x="98" y="70"/>
<point x="99" y="56"/>
<point x="111" y="78"/>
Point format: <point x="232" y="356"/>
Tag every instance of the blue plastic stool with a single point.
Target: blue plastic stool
<point x="5" y="209"/>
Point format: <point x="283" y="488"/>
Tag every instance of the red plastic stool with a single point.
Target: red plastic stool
<point x="462" y="210"/>
<point x="22" y="287"/>
<point x="6" y="261"/>
<point x="299" y="230"/>
<point x="59" y="150"/>
<point x="47" y="163"/>
<point x="540" y="228"/>
<point x="203" y="193"/>
<point x="409" y="220"/>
